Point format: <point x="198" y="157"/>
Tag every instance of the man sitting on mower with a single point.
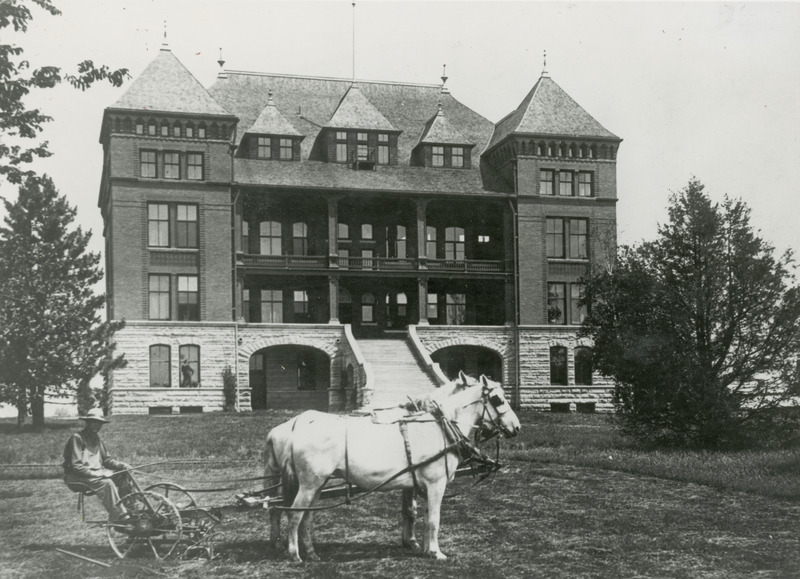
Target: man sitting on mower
<point x="89" y="469"/>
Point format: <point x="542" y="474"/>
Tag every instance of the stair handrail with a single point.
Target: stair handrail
<point x="421" y="353"/>
<point x="369" y="377"/>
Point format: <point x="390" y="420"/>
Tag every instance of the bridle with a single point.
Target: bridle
<point x="497" y="401"/>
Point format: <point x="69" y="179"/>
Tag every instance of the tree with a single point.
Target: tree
<point x="700" y="328"/>
<point x="51" y="334"/>
<point x="18" y="124"/>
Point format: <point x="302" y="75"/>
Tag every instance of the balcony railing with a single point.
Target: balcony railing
<point x="371" y="263"/>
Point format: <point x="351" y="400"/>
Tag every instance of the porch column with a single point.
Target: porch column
<point x="333" y="299"/>
<point x="422" y="283"/>
<point x="333" y="232"/>
<point x="422" y="222"/>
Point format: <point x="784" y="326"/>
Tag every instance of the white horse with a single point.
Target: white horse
<point x="278" y="453"/>
<point x="424" y="453"/>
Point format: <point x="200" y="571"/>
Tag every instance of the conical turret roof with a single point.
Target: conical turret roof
<point x="440" y="130"/>
<point x="548" y="110"/>
<point x="356" y="112"/>
<point x="167" y="86"/>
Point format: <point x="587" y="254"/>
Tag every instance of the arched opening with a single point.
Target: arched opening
<point x="289" y="377"/>
<point x="473" y="360"/>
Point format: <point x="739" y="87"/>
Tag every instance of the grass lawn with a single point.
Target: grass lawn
<point x="575" y="500"/>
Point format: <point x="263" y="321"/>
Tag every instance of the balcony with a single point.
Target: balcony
<point x="382" y="264"/>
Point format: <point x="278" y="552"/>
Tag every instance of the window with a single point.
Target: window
<point x="151" y="129"/>
<point x="172" y="165"/>
<point x="305" y="372"/>
<point x="189" y="132"/>
<point x="558" y="365"/>
<point x="437" y="156"/>
<point x="383" y="149"/>
<point x="366" y="231"/>
<point x="556" y="303"/>
<point x="286" y="149"/>
<point x="299" y="238"/>
<point x="188" y="298"/>
<point x="147" y="164"/>
<point x="194" y="166"/>
<point x="271" y="306"/>
<point x="190" y="366"/>
<point x="567" y="238"/>
<point x="341" y="147"/>
<point x="300" y="303"/>
<point x="264" y="148"/>
<point x="546" y="181"/>
<point x="165" y="130"/>
<point x="584" y="184"/>
<point x="159" y="297"/>
<point x="246" y="237"/>
<point x="270" y="238"/>
<point x="186" y="226"/>
<point x="433" y="307"/>
<point x="344" y="257"/>
<point x="583" y="366"/>
<point x="457" y="157"/>
<point x="430" y="241"/>
<point x="456" y="309"/>
<point x="578" y="235"/>
<point x="402" y="305"/>
<point x="158" y="225"/>
<point x="576" y="309"/>
<point x="484" y="239"/>
<point x="454" y="243"/>
<point x="565" y="183"/>
<point x="139" y="128"/>
<point x="344" y="231"/>
<point x="396" y="241"/>
<point x="159" y="366"/>
<point x="201" y="132"/>
<point x="362" y="146"/>
<point x="367" y="309"/>
<point x="246" y="305"/>
<point x="366" y="258"/>
<point x="176" y="131"/>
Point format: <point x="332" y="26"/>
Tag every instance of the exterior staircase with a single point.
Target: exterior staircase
<point x="396" y="371"/>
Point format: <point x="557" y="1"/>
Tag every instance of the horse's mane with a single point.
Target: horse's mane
<point x="433" y="400"/>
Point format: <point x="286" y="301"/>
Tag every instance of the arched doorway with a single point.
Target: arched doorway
<point x="289" y="377"/>
<point x="473" y="360"/>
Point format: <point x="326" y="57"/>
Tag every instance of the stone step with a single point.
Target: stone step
<point x="396" y="370"/>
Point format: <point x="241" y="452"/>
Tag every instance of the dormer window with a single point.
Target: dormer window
<point x="263" y="148"/>
<point x="341" y="146"/>
<point x="383" y="148"/>
<point x="286" y="149"/>
<point x="437" y="156"/>
<point x="363" y="146"/>
<point x="457" y="157"/>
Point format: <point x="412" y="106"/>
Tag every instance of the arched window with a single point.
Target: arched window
<point x="201" y="131"/>
<point x="583" y="366"/>
<point x="270" y="238"/>
<point x="190" y="366"/>
<point x="367" y="308"/>
<point x="159" y="366"/>
<point x="299" y="238"/>
<point x="164" y="129"/>
<point x="558" y="365"/>
<point x="151" y="128"/>
<point x="454" y="243"/>
<point x="189" y="131"/>
<point x="176" y="130"/>
<point x="402" y="305"/>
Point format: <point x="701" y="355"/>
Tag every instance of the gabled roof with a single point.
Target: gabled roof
<point x="356" y="112"/>
<point x="441" y="131"/>
<point x="272" y="122"/>
<point x="167" y="86"/>
<point x="548" y="110"/>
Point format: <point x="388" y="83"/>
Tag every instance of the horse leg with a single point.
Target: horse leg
<point x="275" y="528"/>
<point x="306" y="545"/>
<point x="303" y="499"/>
<point x="409" y="512"/>
<point x="435" y="492"/>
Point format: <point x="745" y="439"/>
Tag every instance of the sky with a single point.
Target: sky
<point x="708" y="90"/>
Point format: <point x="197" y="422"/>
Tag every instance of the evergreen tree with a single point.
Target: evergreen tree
<point x="700" y="328"/>
<point x="51" y="334"/>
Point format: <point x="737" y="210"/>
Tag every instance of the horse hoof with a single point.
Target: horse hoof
<point x="312" y="557"/>
<point x="438" y="555"/>
<point x="412" y="545"/>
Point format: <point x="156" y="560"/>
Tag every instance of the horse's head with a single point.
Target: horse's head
<point x="501" y="416"/>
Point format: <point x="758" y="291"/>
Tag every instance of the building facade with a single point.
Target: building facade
<point x="275" y="225"/>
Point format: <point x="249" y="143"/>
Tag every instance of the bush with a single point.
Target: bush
<point x="229" y="389"/>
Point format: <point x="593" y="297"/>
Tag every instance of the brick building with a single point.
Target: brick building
<point x="340" y="244"/>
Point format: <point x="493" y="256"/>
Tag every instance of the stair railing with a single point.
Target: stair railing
<point x="431" y="367"/>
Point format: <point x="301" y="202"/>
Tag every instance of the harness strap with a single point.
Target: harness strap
<point x="404" y="431"/>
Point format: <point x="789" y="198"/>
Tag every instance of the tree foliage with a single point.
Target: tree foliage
<point x="19" y="125"/>
<point x="700" y="328"/>
<point x="51" y="334"/>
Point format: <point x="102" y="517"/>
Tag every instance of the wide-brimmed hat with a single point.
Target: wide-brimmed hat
<point x="94" y="414"/>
